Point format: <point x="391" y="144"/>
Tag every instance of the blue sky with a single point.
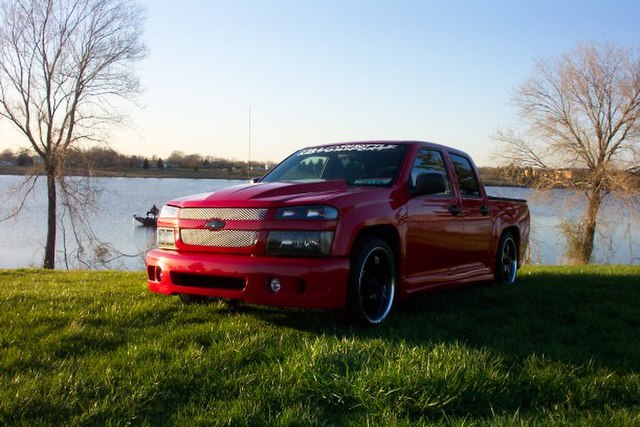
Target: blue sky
<point x="316" y="72"/>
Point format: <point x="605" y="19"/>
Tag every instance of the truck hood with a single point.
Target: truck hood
<point x="267" y="194"/>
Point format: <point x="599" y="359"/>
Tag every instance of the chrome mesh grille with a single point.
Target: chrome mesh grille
<point x="220" y="238"/>
<point x="246" y="214"/>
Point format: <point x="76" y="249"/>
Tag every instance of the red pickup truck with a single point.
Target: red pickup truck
<point x="354" y="225"/>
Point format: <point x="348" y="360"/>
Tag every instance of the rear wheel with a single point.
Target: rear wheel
<point x="372" y="282"/>
<point x="506" y="260"/>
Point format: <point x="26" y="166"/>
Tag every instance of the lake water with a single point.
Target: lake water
<point x="22" y="243"/>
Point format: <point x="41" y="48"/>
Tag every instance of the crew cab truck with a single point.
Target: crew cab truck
<point x="352" y="225"/>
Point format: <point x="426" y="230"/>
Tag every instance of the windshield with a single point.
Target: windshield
<point x="357" y="164"/>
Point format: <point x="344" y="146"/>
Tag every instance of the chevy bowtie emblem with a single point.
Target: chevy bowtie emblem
<point x="215" y="224"/>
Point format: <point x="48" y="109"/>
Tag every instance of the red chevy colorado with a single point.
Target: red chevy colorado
<point x="354" y="225"/>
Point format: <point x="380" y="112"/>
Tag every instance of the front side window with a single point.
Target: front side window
<point x="357" y="164"/>
<point x="429" y="161"/>
<point x="467" y="179"/>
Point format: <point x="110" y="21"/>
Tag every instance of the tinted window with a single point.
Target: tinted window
<point x="467" y="179"/>
<point x="429" y="161"/>
<point x="358" y="164"/>
<point x="310" y="167"/>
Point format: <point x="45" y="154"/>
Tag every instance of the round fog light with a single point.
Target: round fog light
<point x="158" y="274"/>
<point x="275" y="285"/>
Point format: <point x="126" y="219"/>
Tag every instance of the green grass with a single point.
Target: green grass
<point x="83" y="348"/>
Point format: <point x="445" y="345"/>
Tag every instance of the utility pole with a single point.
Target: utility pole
<point x="249" y="161"/>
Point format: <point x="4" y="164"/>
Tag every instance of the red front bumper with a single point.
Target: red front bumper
<point x="305" y="282"/>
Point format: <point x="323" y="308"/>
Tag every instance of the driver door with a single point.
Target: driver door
<point x="434" y="230"/>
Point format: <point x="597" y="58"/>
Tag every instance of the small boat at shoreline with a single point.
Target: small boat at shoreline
<point x="146" y="221"/>
<point x="150" y="219"/>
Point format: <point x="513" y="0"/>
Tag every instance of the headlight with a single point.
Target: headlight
<point x="168" y="211"/>
<point x="299" y="243"/>
<point x="166" y="238"/>
<point x="307" y="212"/>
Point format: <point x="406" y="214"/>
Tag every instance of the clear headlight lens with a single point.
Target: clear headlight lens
<point x="307" y="212"/>
<point x="168" y="211"/>
<point x="299" y="243"/>
<point x="165" y="238"/>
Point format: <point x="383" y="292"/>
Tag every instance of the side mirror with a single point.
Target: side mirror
<point x="430" y="183"/>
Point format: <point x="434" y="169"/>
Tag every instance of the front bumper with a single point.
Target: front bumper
<point x="305" y="282"/>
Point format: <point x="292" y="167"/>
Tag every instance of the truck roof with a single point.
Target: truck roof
<point x="391" y="141"/>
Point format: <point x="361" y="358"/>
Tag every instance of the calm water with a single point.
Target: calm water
<point x="112" y="220"/>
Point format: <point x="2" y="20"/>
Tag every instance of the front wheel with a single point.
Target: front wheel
<point x="506" y="260"/>
<point x="372" y="282"/>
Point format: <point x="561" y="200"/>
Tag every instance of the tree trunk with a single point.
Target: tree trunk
<point x="588" y="237"/>
<point x="50" y="246"/>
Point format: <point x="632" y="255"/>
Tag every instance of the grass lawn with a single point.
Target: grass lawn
<point x="562" y="347"/>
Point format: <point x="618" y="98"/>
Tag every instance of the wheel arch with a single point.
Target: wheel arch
<point x="388" y="233"/>
<point x="515" y="232"/>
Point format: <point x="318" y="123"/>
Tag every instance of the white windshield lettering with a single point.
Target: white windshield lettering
<point x="347" y="147"/>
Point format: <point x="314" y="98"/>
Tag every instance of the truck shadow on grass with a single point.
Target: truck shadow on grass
<point x="573" y="318"/>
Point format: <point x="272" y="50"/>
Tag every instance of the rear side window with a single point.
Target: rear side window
<point x="429" y="161"/>
<point x="467" y="178"/>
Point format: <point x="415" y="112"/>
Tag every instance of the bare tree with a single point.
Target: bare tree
<point x="64" y="64"/>
<point x="580" y="112"/>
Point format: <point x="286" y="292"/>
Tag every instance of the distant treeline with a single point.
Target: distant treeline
<point x="106" y="158"/>
<point x="99" y="160"/>
<point x="548" y="178"/>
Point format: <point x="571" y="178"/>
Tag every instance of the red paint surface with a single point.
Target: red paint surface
<point x="434" y="248"/>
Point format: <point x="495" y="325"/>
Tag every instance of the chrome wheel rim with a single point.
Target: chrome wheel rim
<point x="377" y="285"/>
<point x="509" y="261"/>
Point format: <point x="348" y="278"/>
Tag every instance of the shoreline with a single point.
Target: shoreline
<point x="140" y="173"/>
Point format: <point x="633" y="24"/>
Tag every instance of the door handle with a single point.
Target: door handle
<point x="484" y="210"/>
<point x="455" y="210"/>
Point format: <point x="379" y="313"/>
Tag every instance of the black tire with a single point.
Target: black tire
<point x="193" y="299"/>
<point x="506" y="260"/>
<point x="372" y="282"/>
